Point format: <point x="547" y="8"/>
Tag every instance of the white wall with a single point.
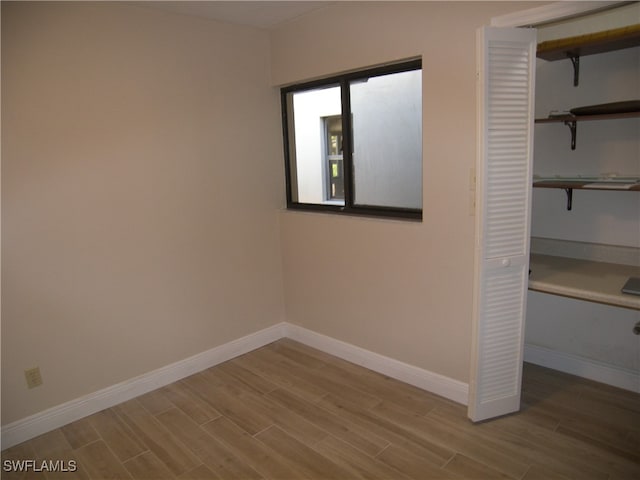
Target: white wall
<point x="594" y="332"/>
<point x="141" y="179"/>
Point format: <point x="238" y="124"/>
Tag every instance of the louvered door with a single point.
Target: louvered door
<point x="506" y="73"/>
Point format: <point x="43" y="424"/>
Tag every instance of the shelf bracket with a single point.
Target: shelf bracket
<point x="573" y="126"/>
<point x="569" y="192"/>
<point x="575" y="60"/>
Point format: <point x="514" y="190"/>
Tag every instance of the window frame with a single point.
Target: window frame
<point x="349" y="207"/>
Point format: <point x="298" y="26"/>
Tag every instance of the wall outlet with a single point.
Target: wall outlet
<point x="33" y="376"/>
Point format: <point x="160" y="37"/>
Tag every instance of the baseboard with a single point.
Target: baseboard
<point x="424" y="379"/>
<point x="583" y="367"/>
<point x="60" y="415"/>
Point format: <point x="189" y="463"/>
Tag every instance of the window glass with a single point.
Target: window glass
<point x="387" y="140"/>
<point x="315" y="137"/>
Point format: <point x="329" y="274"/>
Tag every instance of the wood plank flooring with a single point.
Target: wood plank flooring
<point x="287" y="411"/>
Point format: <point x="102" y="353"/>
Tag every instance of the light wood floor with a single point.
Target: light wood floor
<point x="286" y="411"/>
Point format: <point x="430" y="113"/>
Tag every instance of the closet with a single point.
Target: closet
<point x="586" y="199"/>
<point x="585" y="204"/>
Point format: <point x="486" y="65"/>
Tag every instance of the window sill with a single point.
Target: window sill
<point x="368" y="212"/>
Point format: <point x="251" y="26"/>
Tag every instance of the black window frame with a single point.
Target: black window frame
<point x="349" y="207"/>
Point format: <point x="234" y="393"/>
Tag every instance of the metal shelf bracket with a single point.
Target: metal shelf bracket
<point x="573" y="126"/>
<point x="569" y="192"/>
<point x="575" y="60"/>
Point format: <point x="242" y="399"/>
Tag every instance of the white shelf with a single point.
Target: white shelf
<point x="598" y="282"/>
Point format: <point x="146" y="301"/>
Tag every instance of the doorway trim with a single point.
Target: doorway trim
<point x="551" y="12"/>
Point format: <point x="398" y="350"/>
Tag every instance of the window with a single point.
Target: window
<point x="367" y="161"/>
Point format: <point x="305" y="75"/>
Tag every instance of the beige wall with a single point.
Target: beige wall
<point x="142" y="191"/>
<point x="397" y="288"/>
<point x="141" y="180"/>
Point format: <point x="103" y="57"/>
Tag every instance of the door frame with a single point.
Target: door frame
<point x="552" y="12"/>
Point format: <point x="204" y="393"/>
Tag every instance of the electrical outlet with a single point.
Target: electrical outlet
<point x="33" y="376"/>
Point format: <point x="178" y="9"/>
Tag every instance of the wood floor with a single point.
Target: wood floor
<point x="287" y="411"/>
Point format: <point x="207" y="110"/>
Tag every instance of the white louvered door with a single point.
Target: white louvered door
<point x="506" y="75"/>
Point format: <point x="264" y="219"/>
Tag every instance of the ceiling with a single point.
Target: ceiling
<point x="261" y="14"/>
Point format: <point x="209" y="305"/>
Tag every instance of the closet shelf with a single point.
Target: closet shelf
<point x="589" y="44"/>
<point x="588" y="185"/>
<point x="571" y="121"/>
<point x="598" y="282"/>
<point x="583" y="118"/>
<point x="594" y="184"/>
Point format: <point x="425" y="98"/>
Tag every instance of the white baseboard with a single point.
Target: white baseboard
<point x="583" y="367"/>
<point x="424" y="379"/>
<point x="60" y="415"/>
